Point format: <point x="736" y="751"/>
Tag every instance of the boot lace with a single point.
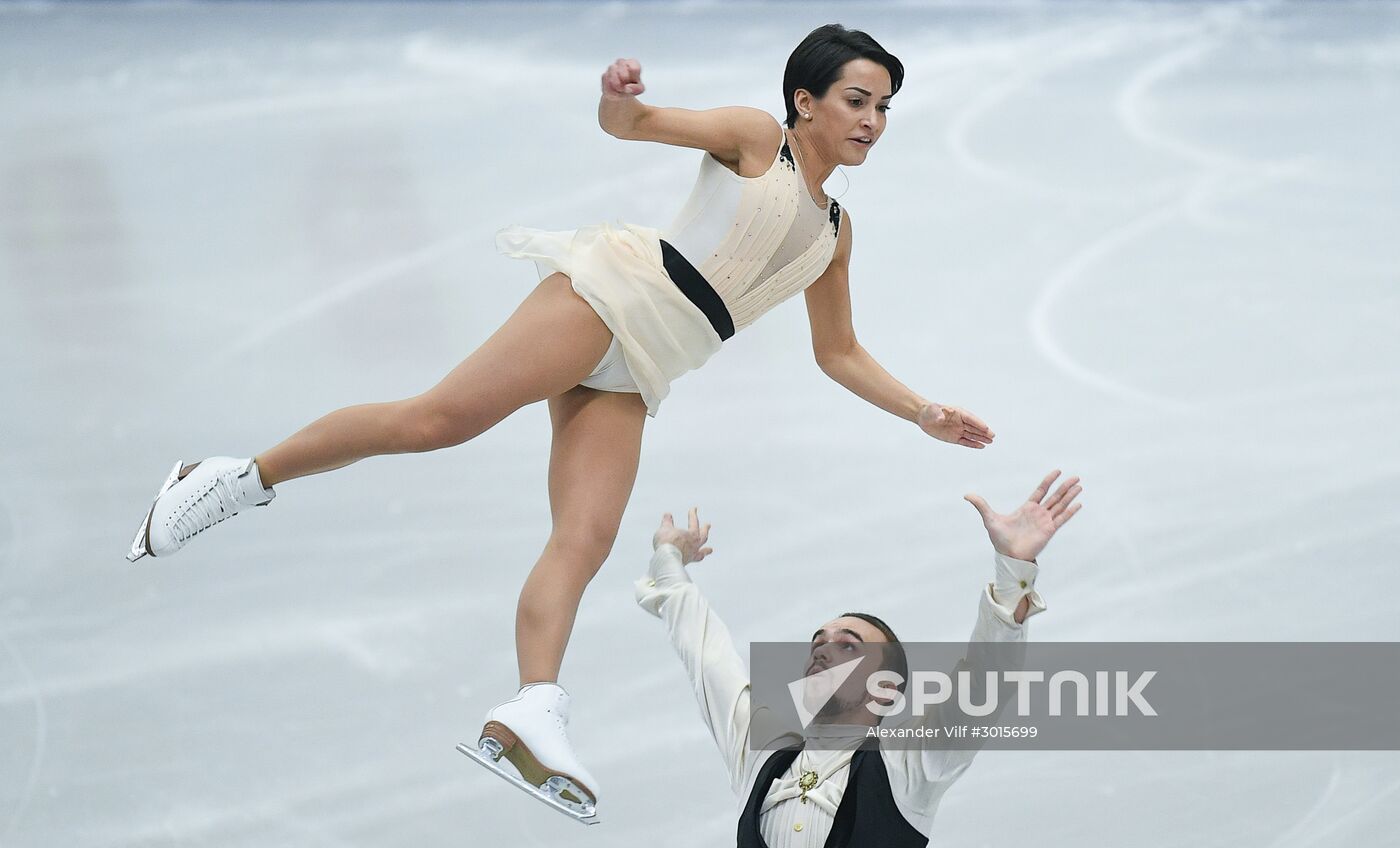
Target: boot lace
<point x="214" y="504"/>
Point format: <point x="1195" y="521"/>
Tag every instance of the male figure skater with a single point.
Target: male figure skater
<point x="847" y="797"/>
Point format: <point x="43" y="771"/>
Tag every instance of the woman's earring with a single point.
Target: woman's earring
<point x="807" y="115"/>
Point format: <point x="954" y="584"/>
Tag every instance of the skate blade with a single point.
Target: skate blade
<point x="491" y="765"/>
<point x="138" y="544"/>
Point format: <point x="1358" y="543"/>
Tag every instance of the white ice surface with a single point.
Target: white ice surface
<point x="1152" y="244"/>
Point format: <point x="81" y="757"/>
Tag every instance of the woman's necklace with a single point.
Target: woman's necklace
<point x="803" y="160"/>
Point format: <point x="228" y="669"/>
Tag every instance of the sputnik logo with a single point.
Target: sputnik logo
<point x="811" y="693"/>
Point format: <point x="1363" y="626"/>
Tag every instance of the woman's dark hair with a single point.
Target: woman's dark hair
<point x="817" y="62"/>
<point x="895" y="659"/>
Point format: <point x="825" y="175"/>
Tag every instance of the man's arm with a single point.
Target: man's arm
<point x="717" y="673"/>
<point x="920" y="777"/>
<point x="1008" y="601"/>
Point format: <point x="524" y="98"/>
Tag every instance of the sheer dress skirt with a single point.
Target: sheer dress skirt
<point x="619" y="270"/>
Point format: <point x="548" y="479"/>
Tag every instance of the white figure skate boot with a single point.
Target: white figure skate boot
<point x="215" y="489"/>
<point x="524" y="741"/>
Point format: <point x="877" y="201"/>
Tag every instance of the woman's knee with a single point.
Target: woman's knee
<point x="429" y="424"/>
<point x="586" y="543"/>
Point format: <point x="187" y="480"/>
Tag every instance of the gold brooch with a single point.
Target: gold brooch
<point x="807" y="781"/>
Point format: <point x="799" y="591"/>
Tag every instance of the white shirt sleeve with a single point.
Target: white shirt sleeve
<point x="717" y="672"/>
<point x="919" y="776"/>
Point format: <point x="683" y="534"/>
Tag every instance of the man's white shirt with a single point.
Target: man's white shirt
<point x="918" y="777"/>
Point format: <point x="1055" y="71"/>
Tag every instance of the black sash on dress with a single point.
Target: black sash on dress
<point x="697" y="290"/>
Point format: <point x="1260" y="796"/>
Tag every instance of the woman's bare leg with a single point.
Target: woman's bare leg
<point x="592" y="466"/>
<point x="553" y="340"/>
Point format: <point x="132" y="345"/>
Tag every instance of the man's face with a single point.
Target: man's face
<point x="835" y="643"/>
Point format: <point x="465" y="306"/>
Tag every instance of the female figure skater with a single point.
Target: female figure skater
<point x="619" y="313"/>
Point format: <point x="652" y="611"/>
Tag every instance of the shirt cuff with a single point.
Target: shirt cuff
<point x="1015" y="579"/>
<point x="665" y="573"/>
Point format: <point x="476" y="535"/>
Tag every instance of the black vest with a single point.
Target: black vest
<point x="866" y="817"/>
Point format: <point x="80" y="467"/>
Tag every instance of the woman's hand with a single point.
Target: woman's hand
<point x="690" y="542"/>
<point x="623" y="78"/>
<point x="951" y="424"/>
<point x="1024" y="533"/>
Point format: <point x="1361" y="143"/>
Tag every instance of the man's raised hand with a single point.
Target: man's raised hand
<point x="690" y="542"/>
<point x="1024" y="533"/>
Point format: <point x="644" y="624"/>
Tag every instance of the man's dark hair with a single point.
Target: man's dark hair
<point x="817" y="62"/>
<point x="895" y="659"/>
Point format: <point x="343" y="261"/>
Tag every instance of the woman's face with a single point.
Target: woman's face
<point x="853" y="109"/>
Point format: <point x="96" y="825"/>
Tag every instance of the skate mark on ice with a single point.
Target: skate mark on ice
<point x="1221" y="169"/>
<point x="192" y="823"/>
<point x="1316" y="832"/>
<point x="1256" y="562"/>
<point x="1289" y="836"/>
<point x="379" y="97"/>
<point x="1075" y="267"/>
<point x="1211" y="34"/>
<point x="1062" y="280"/>
<point x="1085" y="44"/>
<point x="1115" y="239"/>
<point x="442" y="77"/>
<point x="309" y="832"/>
<point x="1348" y="389"/>
<point x="30" y="688"/>
<point x="290" y="634"/>
<point x="400" y="799"/>
<point x="398" y="266"/>
<point x="345" y="290"/>
<point x="41" y="737"/>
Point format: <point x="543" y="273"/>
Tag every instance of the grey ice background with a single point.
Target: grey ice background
<point x="1151" y="243"/>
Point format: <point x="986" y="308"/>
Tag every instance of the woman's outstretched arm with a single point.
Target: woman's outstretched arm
<point x="742" y="137"/>
<point x="843" y="359"/>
